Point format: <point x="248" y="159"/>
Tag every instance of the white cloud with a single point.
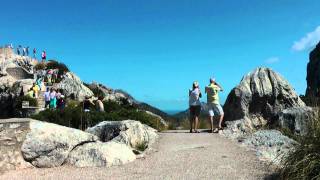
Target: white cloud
<point x="272" y="60"/>
<point x="308" y="41"/>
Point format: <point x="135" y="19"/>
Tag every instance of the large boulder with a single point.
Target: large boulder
<point x="73" y="86"/>
<point x="313" y="74"/>
<point x="110" y="94"/>
<point x="132" y="133"/>
<point x="259" y="97"/>
<point x="100" y="154"/>
<point x="22" y="85"/>
<point x="297" y="120"/>
<point x="48" y="145"/>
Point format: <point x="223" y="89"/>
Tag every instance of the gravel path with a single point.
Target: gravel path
<point x="177" y="155"/>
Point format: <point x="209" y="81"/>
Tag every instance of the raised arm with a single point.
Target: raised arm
<point x="221" y="89"/>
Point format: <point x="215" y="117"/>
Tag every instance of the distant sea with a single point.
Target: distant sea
<point x="172" y="112"/>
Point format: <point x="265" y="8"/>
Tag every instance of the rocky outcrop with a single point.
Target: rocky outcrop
<point x="19" y="73"/>
<point x="129" y="132"/>
<point x="12" y="135"/>
<point x="48" y="145"/>
<point x="73" y="87"/>
<point x="259" y="97"/>
<point x="270" y="145"/>
<point x="30" y="143"/>
<point x="297" y="120"/>
<point x="22" y="85"/>
<point x="121" y="97"/>
<point x="313" y="74"/>
<point x="110" y="94"/>
<point x="161" y="121"/>
<point x="100" y="154"/>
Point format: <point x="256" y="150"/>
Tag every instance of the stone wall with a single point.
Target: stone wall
<point x="12" y="134"/>
<point x="19" y="73"/>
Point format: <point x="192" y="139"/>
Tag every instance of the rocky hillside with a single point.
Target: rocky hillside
<point x="18" y="73"/>
<point x="313" y="75"/>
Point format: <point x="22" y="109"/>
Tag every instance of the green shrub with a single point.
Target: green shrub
<point x="71" y="116"/>
<point x="40" y="66"/>
<point x="53" y="64"/>
<point x="32" y="101"/>
<point x="142" y="146"/>
<point x="303" y="162"/>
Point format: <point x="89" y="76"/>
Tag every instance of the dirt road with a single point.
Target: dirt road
<point x="177" y="155"/>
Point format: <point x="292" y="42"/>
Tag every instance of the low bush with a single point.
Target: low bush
<point x="72" y="115"/>
<point x="52" y="64"/>
<point x="40" y="66"/>
<point x="303" y="162"/>
<point x="32" y="101"/>
<point x="142" y="146"/>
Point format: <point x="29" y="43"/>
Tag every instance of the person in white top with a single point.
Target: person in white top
<point x="194" y="106"/>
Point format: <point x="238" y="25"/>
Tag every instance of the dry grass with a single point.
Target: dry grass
<point x="303" y="162"/>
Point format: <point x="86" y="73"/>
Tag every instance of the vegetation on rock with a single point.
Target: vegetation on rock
<point x="303" y="161"/>
<point x="72" y="115"/>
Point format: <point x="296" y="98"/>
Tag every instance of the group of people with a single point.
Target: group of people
<point x="87" y="103"/>
<point x="24" y="51"/>
<point x="54" y="99"/>
<point x="213" y="104"/>
<point x="49" y="75"/>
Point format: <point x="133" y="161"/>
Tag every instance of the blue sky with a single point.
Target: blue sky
<point x="155" y="49"/>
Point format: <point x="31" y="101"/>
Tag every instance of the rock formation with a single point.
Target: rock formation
<point x="270" y="145"/>
<point x="110" y="94"/>
<point x="46" y="145"/>
<point x="100" y="154"/>
<point x="259" y="97"/>
<point x="313" y="74"/>
<point x="73" y="86"/>
<point x="129" y="132"/>
<point x="297" y="120"/>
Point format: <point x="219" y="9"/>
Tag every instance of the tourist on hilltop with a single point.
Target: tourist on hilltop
<point x="35" y="89"/>
<point x="47" y="98"/>
<point x="60" y="99"/>
<point x="43" y="56"/>
<point x="59" y="93"/>
<point x="87" y="103"/>
<point x="23" y="51"/>
<point x="27" y="50"/>
<point x="39" y="82"/>
<point x="54" y="76"/>
<point x="49" y="76"/>
<point x="99" y="104"/>
<point x="34" y="53"/>
<point x="53" y="99"/>
<point x="214" y="106"/>
<point x="19" y="49"/>
<point x="30" y="93"/>
<point x="194" y="106"/>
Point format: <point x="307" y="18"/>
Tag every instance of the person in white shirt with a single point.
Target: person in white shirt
<point x="194" y="106"/>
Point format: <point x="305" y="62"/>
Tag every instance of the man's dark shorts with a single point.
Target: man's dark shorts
<point x="195" y="111"/>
